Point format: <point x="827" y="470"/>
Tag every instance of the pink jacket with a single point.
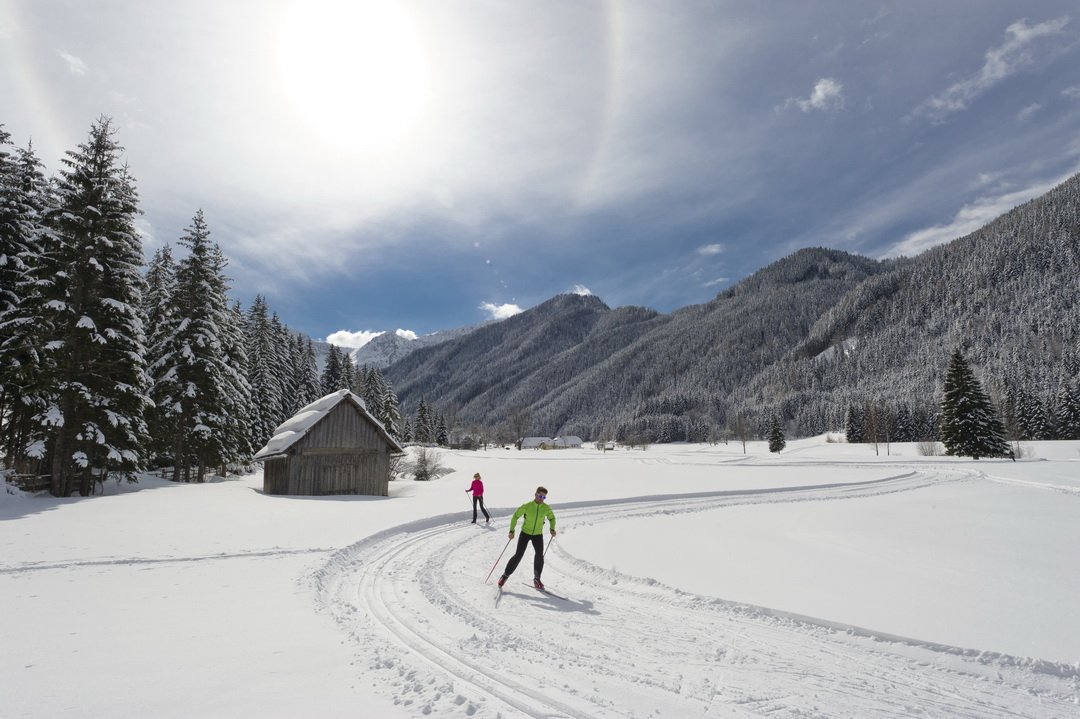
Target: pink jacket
<point x="477" y="488"/>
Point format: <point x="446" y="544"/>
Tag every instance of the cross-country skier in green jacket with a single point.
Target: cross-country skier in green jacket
<point x="534" y="513"/>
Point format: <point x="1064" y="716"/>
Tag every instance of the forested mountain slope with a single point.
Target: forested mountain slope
<point x="580" y="367"/>
<point x="1007" y="295"/>
<point x="514" y="363"/>
<point x="805" y="339"/>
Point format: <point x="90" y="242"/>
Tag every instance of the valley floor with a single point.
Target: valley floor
<point x="692" y="580"/>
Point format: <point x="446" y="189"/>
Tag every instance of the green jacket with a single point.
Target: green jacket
<point x="534" y="514"/>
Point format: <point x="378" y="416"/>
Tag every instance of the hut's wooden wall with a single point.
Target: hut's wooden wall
<point x="340" y="473"/>
<point x="342" y="454"/>
<point x="276" y="476"/>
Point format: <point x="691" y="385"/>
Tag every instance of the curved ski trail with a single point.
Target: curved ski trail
<point x="428" y="633"/>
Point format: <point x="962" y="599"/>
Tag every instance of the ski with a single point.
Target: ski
<point x="546" y="591"/>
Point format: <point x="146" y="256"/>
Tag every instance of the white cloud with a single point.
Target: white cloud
<point x="1001" y="62"/>
<point x="1028" y="112"/>
<point x="406" y="334"/>
<point x="581" y="290"/>
<point x="500" y="312"/>
<point x="714" y="249"/>
<point x="1072" y="93"/>
<point x="828" y="94"/>
<point x="350" y="339"/>
<point x="717" y="281"/>
<point x="970" y="218"/>
<point x="75" y="65"/>
<point x="986" y="178"/>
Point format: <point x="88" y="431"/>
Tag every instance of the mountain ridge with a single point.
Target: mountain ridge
<point x="1005" y="294"/>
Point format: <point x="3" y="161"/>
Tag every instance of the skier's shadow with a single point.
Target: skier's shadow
<point x="559" y="604"/>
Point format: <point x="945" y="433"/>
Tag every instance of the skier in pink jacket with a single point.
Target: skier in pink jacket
<point x="477" y="490"/>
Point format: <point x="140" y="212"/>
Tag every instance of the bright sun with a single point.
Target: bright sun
<point x="355" y="68"/>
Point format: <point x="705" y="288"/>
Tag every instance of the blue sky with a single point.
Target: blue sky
<point x="380" y="165"/>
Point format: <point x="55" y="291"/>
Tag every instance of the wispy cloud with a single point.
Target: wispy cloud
<point x="827" y="95"/>
<point x="500" y="312"/>
<point x="1028" y="112"/>
<point x="1073" y="93"/>
<point x="581" y="290"/>
<point x="707" y="250"/>
<point x="1001" y="62"/>
<point x="406" y="334"/>
<point x="717" y="281"/>
<point x="75" y="65"/>
<point x="971" y="217"/>
<point x="350" y="339"/>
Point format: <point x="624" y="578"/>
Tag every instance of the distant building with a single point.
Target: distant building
<point x="550" y="442"/>
<point x="332" y="446"/>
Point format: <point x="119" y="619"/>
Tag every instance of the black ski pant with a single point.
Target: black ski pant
<point x="479" y="500"/>
<point x="538" y="553"/>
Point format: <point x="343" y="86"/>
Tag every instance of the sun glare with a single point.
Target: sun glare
<point x="355" y="69"/>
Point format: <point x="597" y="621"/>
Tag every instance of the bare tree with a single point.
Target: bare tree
<point x="741" y="428"/>
<point x="876" y="426"/>
<point x="519" y="423"/>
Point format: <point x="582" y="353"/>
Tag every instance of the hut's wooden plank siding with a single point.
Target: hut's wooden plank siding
<point x="276" y="476"/>
<point x="342" y="454"/>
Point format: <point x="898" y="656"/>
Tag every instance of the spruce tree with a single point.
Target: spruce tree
<point x="373" y="388"/>
<point x="853" y="426"/>
<point x="238" y="401"/>
<point x="281" y="359"/>
<point x="25" y="198"/>
<point x="333" y="373"/>
<point x="776" y="436"/>
<point x="1067" y="416"/>
<point x="422" y="429"/>
<point x="309" y="388"/>
<point x="442" y="434"/>
<point x="969" y="425"/>
<point x="15" y="235"/>
<point x="196" y="376"/>
<point x="263" y="373"/>
<point x="1032" y="417"/>
<point x="349" y="379"/>
<point x="390" y="415"/>
<point x="159" y="307"/>
<point x="92" y="314"/>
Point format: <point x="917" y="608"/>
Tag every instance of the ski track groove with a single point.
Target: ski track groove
<point x="414" y="603"/>
<point x="115" y="561"/>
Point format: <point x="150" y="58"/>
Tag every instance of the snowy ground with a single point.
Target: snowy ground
<point x="826" y="582"/>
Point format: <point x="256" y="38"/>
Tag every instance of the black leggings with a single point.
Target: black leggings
<point x="538" y="553"/>
<point x="480" y="499"/>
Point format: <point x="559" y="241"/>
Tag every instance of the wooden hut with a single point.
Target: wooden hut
<point x="332" y="446"/>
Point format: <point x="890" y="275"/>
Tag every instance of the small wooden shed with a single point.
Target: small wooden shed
<point x="332" y="446"/>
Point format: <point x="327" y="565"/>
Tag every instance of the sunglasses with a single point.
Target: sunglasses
<point x="541" y="496"/>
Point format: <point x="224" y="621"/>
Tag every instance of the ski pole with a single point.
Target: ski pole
<point x="550" y="542"/>
<point x="497" y="560"/>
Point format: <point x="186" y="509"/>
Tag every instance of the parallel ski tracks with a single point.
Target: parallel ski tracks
<point x="413" y="602"/>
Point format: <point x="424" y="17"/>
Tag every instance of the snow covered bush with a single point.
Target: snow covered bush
<point x="930" y="449"/>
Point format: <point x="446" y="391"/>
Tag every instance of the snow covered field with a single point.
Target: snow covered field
<point x="698" y="581"/>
